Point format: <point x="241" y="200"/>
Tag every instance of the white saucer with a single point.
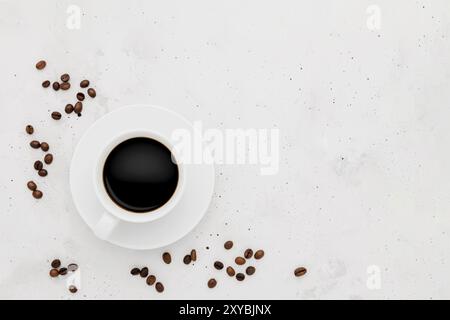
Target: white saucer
<point x="199" y="183"/>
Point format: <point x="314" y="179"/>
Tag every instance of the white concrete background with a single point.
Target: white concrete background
<point x="363" y="114"/>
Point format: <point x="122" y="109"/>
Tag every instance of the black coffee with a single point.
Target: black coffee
<point x="139" y="174"/>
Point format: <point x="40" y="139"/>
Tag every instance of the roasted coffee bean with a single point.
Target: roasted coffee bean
<point x="54" y="273"/>
<point x="240" y="276"/>
<point x="248" y="253"/>
<point x="48" y="158"/>
<point x="218" y="265"/>
<point x="135" y="271"/>
<point x="230" y="271"/>
<point x="167" y="258"/>
<point x="44" y="146"/>
<point x="56" y="263"/>
<point x="84" y="83"/>
<point x="228" y="245"/>
<point x="239" y="261"/>
<point x="35" y="144"/>
<point x="41" y="64"/>
<point x="72" y="267"/>
<point x="159" y="287"/>
<point x="37" y="194"/>
<point x="73" y="289"/>
<point x="187" y="259"/>
<point x="56" y="86"/>
<point x="144" y="272"/>
<point x="80" y="96"/>
<point x="42" y="172"/>
<point x="65" y="77"/>
<point x="250" y="270"/>
<point x="91" y="92"/>
<point x="194" y="255"/>
<point x="62" y="271"/>
<point x="31" y="185"/>
<point x="46" y="84"/>
<point x="300" y="271"/>
<point x="69" y="108"/>
<point x="151" y="280"/>
<point x="56" y="115"/>
<point x="38" y="165"/>
<point x="29" y="129"/>
<point x="259" y="254"/>
<point x="65" y="86"/>
<point x="212" y="283"/>
<point x="78" y="107"/>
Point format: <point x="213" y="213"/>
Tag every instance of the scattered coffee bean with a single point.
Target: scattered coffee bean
<point x="72" y="267"/>
<point x="37" y="194"/>
<point x="44" y="146"/>
<point x="259" y="254"/>
<point x="167" y="258"/>
<point x="239" y="261"/>
<point x="80" y="96"/>
<point x="65" y="77"/>
<point x="31" y="185"/>
<point x="194" y="255"/>
<point x="135" y="271"/>
<point x="218" y="265"/>
<point x="73" y="289"/>
<point x="228" y="245"/>
<point x="300" y="271"/>
<point x="54" y="273"/>
<point x="151" y="280"/>
<point x="48" y="158"/>
<point x="41" y="64"/>
<point x="35" y="144"/>
<point x="29" y="129"/>
<point x="69" y="108"/>
<point x="187" y="259"/>
<point x="230" y="271"/>
<point x="84" y="84"/>
<point x="46" y="84"/>
<point x="42" y="172"/>
<point x="248" y="253"/>
<point x="56" y="115"/>
<point x="56" y="263"/>
<point x="159" y="287"/>
<point x="62" y="271"/>
<point x="78" y="107"/>
<point x="212" y="283"/>
<point x="65" y="86"/>
<point x="240" y="276"/>
<point x="56" y="86"/>
<point x="91" y="92"/>
<point x="38" y="165"/>
<point x="250" y="270"/>
<point x="144" y="272"/>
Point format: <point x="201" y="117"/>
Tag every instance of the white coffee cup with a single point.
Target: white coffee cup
<point x="113" y="213"/>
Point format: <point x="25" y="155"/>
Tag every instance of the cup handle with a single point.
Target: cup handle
<point x="105" y="226"/>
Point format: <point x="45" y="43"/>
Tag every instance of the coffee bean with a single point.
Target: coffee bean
<point x="230" y="271"/>
<point x="91" y="92"/>
<point x="135" y="271"/>
<point x="35" y="144"/>
<point x="37" y="194"/>
<point x="259" y="254"/>
<point x="73" y="289"/>
<point x="38" y="165"/>
<point x="212" y="283"/>
<point x="62" y="271"/>
<point x="228" y="245"/>
<point x="65" y="77"/>
<point x="250" y="270"/>
<point x="31" y="185"/>
<point x="65" y="86"/>
<point x="144" y="272"/>
<point x="78" y="107"/>
<point x="48" y="158"/>
<point x="42" y="172"/>
<point x="300" y="271"/>
<point x="239" y="261"/>
<point x="84" y="83"/>
<point x="56" y="115"/>
<point x="72" y="267"/>
<point x="56" y="86"/>
<point x="80" y="96"/>
<point x="159" y="287"/>
<point x="218" y="265"/>
<point x="56" y="263"/>
<point x="248" y="253"/>
<point x="69" y="108"/>
<point x="167" y="257"/>
<point x="41" y="64"/>
<point x="187" y="259"/>
<point x="54" y="273"/>
<point x="240" y="276"/>
<point x="29" y="129"/>
<point x="44" y="146"/>
<point x="46" y="84"/>
<point x="194" y="255"/>
<point x="150" y="280"/>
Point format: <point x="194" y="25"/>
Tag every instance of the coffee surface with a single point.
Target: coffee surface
<point x="139" y="174"/>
